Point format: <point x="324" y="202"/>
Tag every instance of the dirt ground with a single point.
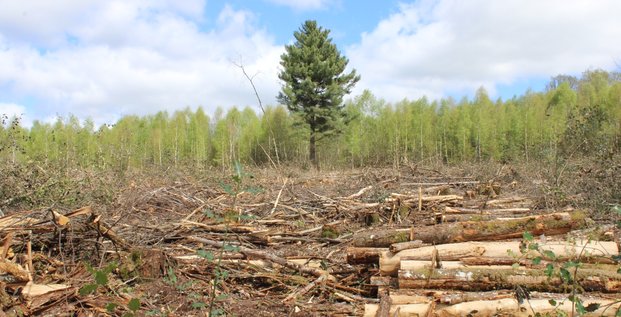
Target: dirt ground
<point x="259" y="242"/>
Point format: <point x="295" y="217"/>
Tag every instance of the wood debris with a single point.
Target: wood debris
<point x="359" y="244"/>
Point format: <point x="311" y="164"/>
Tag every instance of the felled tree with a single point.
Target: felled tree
<point x="314" y="83"/>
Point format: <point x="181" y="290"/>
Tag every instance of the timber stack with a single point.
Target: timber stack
<point x="491" y="258"/>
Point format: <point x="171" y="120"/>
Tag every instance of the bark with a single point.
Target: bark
<point x="363" y="255"/>
<point x="385" y="304"/>
<point x="265" y="256"/>
<point x="103" y="229"/>
<point x="381" y="238"/>
<point x="593" y="251"/>
<point x="492" y="230"/>
<point x="312" y="149"/>
<point x="403" y="310"/>
<point x="17" y="274"/>
<point x="37" y="295"/>
<point x="488" y="278"/>
<point x="396" y="247"/>
<point x="511" y="307"/>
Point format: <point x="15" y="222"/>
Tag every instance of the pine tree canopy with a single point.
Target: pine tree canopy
<point x="314" y="82"/>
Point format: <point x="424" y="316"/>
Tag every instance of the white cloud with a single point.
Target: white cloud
<point x="302" y="5"/>
<point x="451" y="46"/>
<point x="135" y="57"/>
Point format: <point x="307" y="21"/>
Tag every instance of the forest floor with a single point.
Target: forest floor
<point x="267" y="242"/>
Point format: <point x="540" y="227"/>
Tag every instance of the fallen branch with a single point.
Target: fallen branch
<point x="264" y="256"/>
<point x="305" y="289"/>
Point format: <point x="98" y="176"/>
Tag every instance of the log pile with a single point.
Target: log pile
<point x="485" y="257"/>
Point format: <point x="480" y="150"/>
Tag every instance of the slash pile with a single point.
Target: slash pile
<point x="372" y="243"/>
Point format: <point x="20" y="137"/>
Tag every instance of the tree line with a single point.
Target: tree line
<point x="572" y="116"/>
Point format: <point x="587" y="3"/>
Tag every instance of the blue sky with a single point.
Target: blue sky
<point x="108" y="58"/>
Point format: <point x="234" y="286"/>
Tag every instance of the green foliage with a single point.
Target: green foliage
<point x="566" y="271"/>
<point x="314" y="82"/>
<point x="100" y="277"/>
<point x="573" y="116"/>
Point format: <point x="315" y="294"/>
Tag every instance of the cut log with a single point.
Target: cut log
<point x="487" y="278"/>
<point x="552" y="224"/>
<point x="16" y="273"/>
<point x="492" y="230"/>
<point x="364" y="255"/>
<point x="407" y="310"/>
<point x="383" y="309"/>
<point x="381" y="238"/>
<point x="412" y="200"/>
<point x="37" y="295"/>
<point x="592" y="251"/>
<point x="511" y="307"/>
<point x="396" y="247"/>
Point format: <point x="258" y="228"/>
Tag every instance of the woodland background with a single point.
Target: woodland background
<point x="572" y="116"/>
<point x="574" y="123"/>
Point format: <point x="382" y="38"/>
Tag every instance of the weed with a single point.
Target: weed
<point x="566" y="270"/>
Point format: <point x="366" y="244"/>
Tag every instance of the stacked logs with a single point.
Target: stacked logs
<point x="489" y="267"/>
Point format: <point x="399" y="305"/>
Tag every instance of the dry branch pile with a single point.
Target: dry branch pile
<point x="366" y="243"/>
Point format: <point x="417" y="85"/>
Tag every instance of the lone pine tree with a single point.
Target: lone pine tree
<point x="314" y="83"/>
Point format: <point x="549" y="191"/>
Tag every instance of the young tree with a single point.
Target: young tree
<point x="314" y="82"/>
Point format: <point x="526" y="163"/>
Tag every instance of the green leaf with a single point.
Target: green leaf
<point x="110" y="267"/>
<point x="247" y="217"/>
<point x="172" y="277"/>
<point x="527" y="236"/>
<point x="549" y="270"/>
<point x="110" y="307"/>
<point x="222" y="274"/>
<point x="198" y="305"/>
<point x="537" y="260"/>
<point x="101" y="278"/>
<point x="205" y="254"/>
<point x="134" y="304"/>
<point x="222" y="297"/>
<point x="253" y="190"/>
<point x="592" y="307"/>
<point x="549" y="254"/>
<point x="88" y="289"/>
<point x="533" y="246"/>
<point x="216" y="312"/>
<point x="552" y="302"/>
<point x="227" y="188"/>
<point x="570" y="264"/>
<point x="619" y="270"/>
<point x="565" y="275"/>
<point x="239" y="171"/>
<point x="231" y="248"/>
<point x="579" y="306"/>
<point x="618" y="313"/>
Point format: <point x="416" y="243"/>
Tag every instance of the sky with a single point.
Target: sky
<point x="104" y="59"/>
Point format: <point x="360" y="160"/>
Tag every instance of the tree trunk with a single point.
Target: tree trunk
<point x="492" y="230"/>
<point x="488" y="278"/>
<point x="312" y="150"/>
<point x="599" y="252"/>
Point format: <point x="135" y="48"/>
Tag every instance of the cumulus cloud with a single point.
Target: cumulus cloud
<point x="443" y="47"/>
<point x="302" y="5"/>
<point x="112" y="58"/>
